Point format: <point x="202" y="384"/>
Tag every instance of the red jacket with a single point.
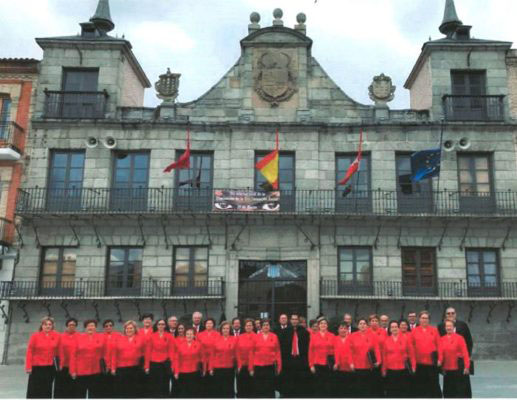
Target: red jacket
<point x="320" y="347"/>
<point x="207" y="340"/>
<point x="41" y="349"/>
<point x="451" y="348"/>
<point x="359" y="346"/>
<point x="127" y="353"/>
<point x="89" y="350"/>
<point x="396" y="352"/>
<point x="109" y="340"/>
<point x="66" y="348"/>
<point x="424" y="342"/>
<point x="187" y="358"/>
<point x="223" y="353"/>
<point x="243" y="348"/>
<point x="145" y="334"/>
<point x="159" y="349"/>
<point x="341" y="350"/>
<point x="266" y="351"/>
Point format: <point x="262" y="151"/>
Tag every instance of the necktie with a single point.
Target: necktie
<point x="294" y="351"/>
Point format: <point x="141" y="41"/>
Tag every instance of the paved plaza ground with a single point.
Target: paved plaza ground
<point x="492" y="379"/>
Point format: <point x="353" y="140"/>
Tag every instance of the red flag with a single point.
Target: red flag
<point x="354" y="167"/>
<point x="184" y="160"/>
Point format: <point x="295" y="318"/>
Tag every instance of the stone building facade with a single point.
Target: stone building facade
<point x="106" y="233"/>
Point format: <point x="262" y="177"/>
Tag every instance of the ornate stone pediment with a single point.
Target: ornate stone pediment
<point x="382" y="89"/>
<point x="274" y="77"/>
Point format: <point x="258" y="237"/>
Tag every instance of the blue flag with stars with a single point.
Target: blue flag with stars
<point x="425" y="164"/>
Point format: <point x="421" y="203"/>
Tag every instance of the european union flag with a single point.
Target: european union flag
<point x="425" y="164"/>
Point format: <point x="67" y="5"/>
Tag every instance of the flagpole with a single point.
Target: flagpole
<point x="359" y="154"/>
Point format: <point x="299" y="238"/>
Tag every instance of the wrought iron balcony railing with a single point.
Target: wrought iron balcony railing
<point x="85" y="288"/>
<point x="42" y="201"/>
<point x="333" y="288"/>
<point x="61" y="104"/>
<point x="11" y="136"/>
<point x="473" y="108"/>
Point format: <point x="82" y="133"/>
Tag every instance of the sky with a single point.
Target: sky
<point x="353" y="40"/>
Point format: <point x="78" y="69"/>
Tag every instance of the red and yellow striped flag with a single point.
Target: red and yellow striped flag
<point x="268" y="166"/>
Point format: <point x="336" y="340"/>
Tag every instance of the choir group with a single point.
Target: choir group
<point x="378" y="358"/>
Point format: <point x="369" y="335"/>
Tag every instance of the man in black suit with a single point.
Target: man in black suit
<point x="461" y="328"/>
<point x="281" y="331"/>
<point x="347" y="319"/>
<point x="294" y="347"/>
<point x="236" y="329"/>
<point x="411" y="318"/>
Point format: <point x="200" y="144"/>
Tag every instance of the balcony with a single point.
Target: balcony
<point x="99" y="289"/>
<point x="106" y="201"/>
<point x="449" y="290"/>
<point x="75" y="105"/>
<point x="11" y="137"/>
<point x="473" y="108"/>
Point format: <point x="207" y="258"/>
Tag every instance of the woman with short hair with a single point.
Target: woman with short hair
<point x="243" y="349"/>
<point x="158" y="356"/>
<point x="42" y="350"/>
<point x="207" y="338"/>
<point x="85" y="364"/>
<point x="188" y="366"/>
<point x="126" y="355"/>
<point x="65" y="387"/>
<point x="265" y="361"/>
<point x="221" y="364"/>
<point x="321" y="359"/>
<point x="455" y="363"/>
<point x="343" y="375"/>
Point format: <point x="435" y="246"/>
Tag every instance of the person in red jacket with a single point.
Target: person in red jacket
<point x="158" y="356"/>
<point x="380" y="333"/>
<point x="364" y="355"/>
<point x="85" y="361"/>
<point x="221" y="363"/>
<point x="127" y="354"/>
<point x="403" y="326"/>
<point x="207" y="337"/>
<point x="321" y="358"/>
<point x="65" y="387"/>
<point x="40" y="360"/>
<point x="188" y="365"/>
<point x="455" y="363"/>
<point x="397" y="357"/>
<point x="243" y="349"/>
<point x="107" y="385"/>
<point x="344" y="375"/>
<point x="425" y="340"/>
<point x="265" y="361"/>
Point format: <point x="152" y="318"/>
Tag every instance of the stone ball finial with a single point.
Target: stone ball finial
<point x="254" y="17"/>
<point x="278" y="13"/>
<point x="301" y="18"/>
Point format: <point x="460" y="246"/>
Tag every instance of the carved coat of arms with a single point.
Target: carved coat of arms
<point x="274" y="78"/>
<point x="382" y="89"/>
<point x="167" y="87"/>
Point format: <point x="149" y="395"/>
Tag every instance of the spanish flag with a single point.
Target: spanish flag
<point x="268" y="166"/>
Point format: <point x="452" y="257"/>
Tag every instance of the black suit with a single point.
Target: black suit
<point x="232" y="331"/>
<point x="462" y="329"/>
<point x="295" y="369"/>
<point x="200" y="326"/>
<point x="281" y="332"/>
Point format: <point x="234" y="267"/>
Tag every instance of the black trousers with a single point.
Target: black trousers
<point x="455" y="385"/>
<point x="174" y="389"/>
<point x="89" y="385"/>
<point x="264" y="381"/>
<point x="323" y="381"/>
<point x="158" y="380"/>
<point x="295" y="376"/>
<point x="224" y="383"/>
<point x="128" y="382"/>
<point x="40" y="382"/>
<point x="107" y="386"/>
<point x="377" y="388"/>
<point x="189" y="385"/>
<point x="64" y="386"/>
<point x="362" y="383"/>
<point x="426" y="382"/>
<point x="396" y="384"/>
<point x="245" y="384"/>
<point x="343" y="384"/>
